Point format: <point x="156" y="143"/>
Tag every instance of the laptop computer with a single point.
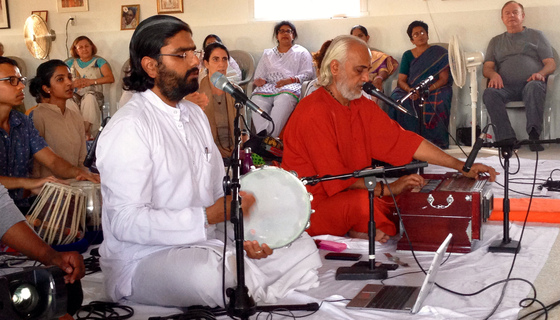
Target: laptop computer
<point x="400" y="298"/>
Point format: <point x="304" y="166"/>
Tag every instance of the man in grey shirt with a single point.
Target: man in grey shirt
<point x="517" y="64"/>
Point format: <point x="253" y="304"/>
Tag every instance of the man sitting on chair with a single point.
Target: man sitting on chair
<point x="517" y="64"/>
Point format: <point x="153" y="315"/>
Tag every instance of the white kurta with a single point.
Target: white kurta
<point x="159" y="167"/>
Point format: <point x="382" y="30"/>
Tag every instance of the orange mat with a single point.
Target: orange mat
<point x="542" y="210"/>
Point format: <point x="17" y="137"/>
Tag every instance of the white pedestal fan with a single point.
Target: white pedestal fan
<point x="461" y="63"/>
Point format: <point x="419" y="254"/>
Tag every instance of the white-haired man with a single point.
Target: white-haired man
<point x="336" y="130"/>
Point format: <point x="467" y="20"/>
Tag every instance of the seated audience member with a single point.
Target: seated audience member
<point x="517" y="64"/>
<point x="417" y="65"/>
<point x="20" y="143"/>
<point x="221" y="107"/>
<point x="233" y="72"/>
<point x="278" y="78"/>
<point x="336" y="130"/>
<point x="382" y="65"/>
<point x="89" y="73"/>
<point x="57" y="117"/>
<point x="16" y="233"/>
<point x="162" y="190"/>
<point x="317" y="59"/>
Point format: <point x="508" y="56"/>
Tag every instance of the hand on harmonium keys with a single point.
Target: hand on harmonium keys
<point x="406" y="183"/>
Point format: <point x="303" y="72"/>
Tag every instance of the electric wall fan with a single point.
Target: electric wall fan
<point x="38" y="37"/>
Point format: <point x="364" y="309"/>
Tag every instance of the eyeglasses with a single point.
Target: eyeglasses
<point x="417" y="34"/>
<point x="184" y="55"/>
<point x="288" y="31"/>
<point x="14" y="81"/>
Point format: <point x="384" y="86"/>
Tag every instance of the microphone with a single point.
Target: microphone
<point x="88" y="161"/>
<point x="424" y="83"/>
<point x="476" y="148"/>
<point x="372" y="90"/>
<point x="221" y="82"/>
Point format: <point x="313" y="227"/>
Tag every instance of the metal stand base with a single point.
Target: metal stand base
<point x="501" y="246"/>
<point x="361" y="271"/>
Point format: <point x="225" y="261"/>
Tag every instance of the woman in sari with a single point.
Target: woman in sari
<point x="382" y="65"/>
<point x="417" y="65"/>
<point x="278" y="78"/>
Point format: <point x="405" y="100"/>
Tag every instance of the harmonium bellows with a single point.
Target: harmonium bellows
<point x="448" y="203"/>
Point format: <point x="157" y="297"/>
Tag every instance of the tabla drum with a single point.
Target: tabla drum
<point x="92" y="191"/>
<point x="281" y="210"/>
<point x="58" y="215"/>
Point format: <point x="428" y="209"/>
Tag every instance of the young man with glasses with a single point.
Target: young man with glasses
<point x="162" y="190"/>
<point x="20" y="143"/>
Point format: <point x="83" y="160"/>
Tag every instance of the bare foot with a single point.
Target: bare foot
<point x="359" y="235"/>
<point x="380" y="236"/>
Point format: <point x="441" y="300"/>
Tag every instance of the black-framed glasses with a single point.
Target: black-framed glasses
<point x="14" y="81"/>
<point x="184" y="55"/>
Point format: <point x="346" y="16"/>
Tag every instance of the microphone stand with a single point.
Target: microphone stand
<point x="241" y="304"/>
<point x="506" y="147"/>
<point x="365" y="270"/>
<point x="423" y="93"/>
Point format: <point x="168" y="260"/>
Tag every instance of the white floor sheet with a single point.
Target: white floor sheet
<point x="465" y="273"/>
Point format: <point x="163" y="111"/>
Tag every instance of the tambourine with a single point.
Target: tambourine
<point x="282" y="208"/>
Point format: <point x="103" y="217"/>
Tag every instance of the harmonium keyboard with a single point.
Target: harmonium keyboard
<point x="447" y="203"/>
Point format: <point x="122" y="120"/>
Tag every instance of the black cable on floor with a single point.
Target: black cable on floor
<point x="104" y="310"/>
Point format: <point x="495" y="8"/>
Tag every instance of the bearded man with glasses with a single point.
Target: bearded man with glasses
<point x="162" y="190"/>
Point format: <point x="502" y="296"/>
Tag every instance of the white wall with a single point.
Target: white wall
<point x="475" y="21"/>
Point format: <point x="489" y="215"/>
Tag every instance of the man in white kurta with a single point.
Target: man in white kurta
<point x="162" y="190"/>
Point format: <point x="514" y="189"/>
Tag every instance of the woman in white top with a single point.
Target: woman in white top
<point x="278" y="78"/>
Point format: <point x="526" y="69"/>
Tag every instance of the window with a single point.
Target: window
<point x="308" y="9"/>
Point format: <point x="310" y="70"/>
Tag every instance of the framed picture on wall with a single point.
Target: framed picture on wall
<point x="169" y="6"/>
<point x="42" y="14"/>
<point x="130" y="15"/>
<point x="72" y="5"/>
<point x="4" y="16"/>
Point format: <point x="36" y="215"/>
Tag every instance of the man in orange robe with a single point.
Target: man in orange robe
<point x="336" y="131"/>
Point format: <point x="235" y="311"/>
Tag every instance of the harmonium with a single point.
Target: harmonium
<point x="447" y="203"/>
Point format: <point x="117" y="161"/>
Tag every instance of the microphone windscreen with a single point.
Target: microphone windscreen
<point x="218" y="80"/>
<point x="368" y="87"/>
